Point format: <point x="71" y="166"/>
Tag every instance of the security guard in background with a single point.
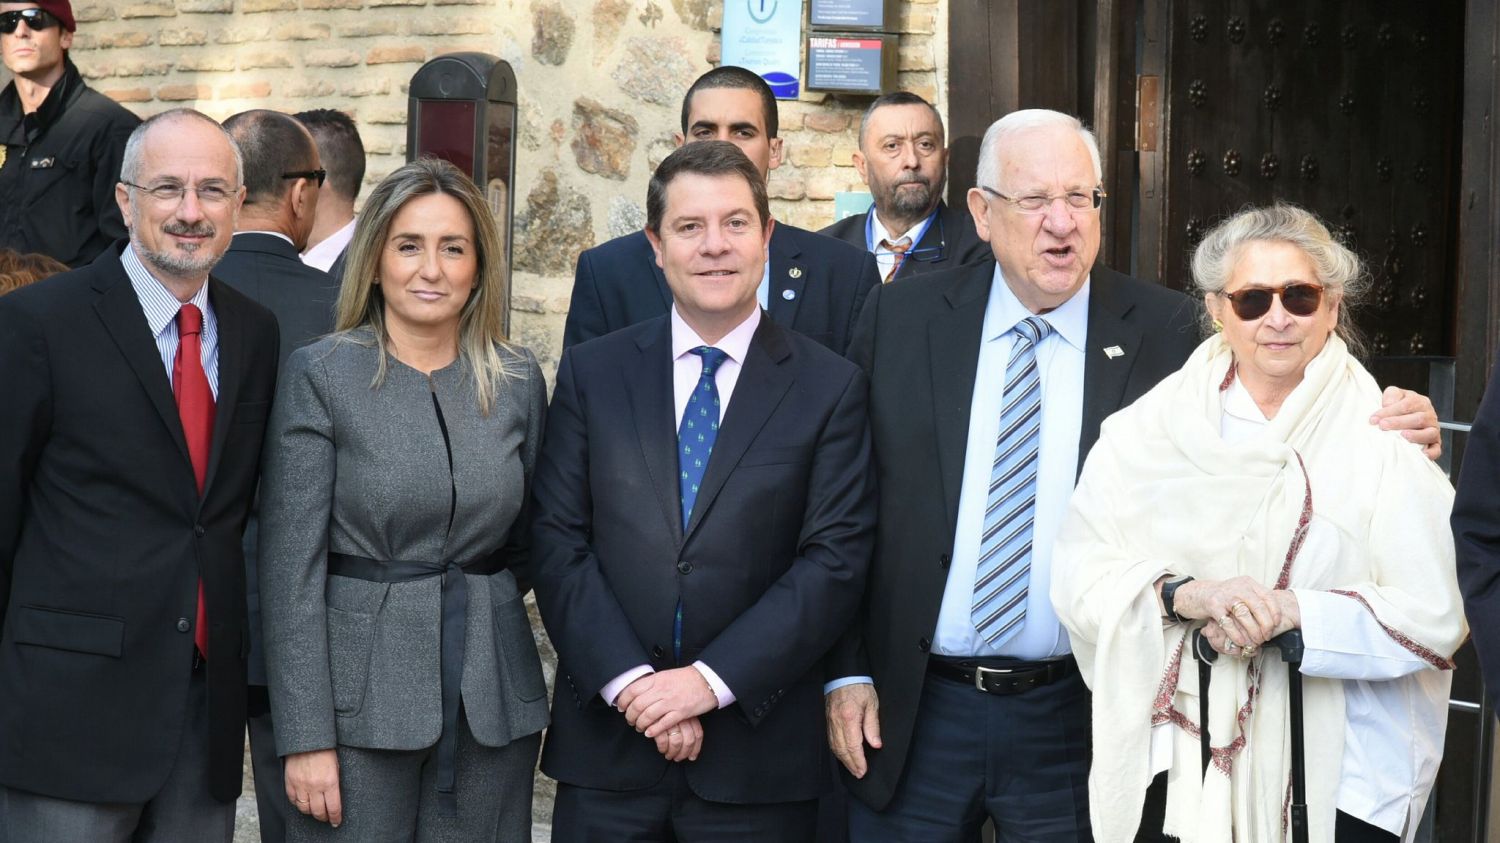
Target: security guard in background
<point x="62" y="141"/>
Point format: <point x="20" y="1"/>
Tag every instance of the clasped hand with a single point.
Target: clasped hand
<point x="665" y="707"/>
<point x="1242" y="614"/>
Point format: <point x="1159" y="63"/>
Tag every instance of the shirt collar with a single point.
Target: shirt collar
<point x="1070" y="320"/>
<point x="1238" y="404"/>
<point x="881" y="234"/>
<point x="157" y="302"/>
<point x="276" y="234"/>
<point x="736" y="343"/>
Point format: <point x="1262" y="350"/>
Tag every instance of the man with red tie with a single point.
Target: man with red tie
<point x="135" y="398"/>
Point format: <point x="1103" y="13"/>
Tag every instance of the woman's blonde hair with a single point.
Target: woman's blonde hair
<point x="1339" y="270"/>
<point x="481" y="328"/>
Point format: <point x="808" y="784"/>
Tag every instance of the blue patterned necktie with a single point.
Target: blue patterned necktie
<point x="1003" y="576"/>
<point x="695" y="442"/>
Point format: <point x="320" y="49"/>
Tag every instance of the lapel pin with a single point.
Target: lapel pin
<point x="795" y="272"/>
<point x="789" y="294"/>
<point x="1114" y="351"/>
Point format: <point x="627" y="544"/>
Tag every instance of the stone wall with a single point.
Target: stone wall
<point x="601" y="83"/>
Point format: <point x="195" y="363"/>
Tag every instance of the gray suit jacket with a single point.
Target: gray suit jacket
<point x="362" y="471"/>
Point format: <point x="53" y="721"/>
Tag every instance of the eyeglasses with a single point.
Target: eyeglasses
<point x="320" y="175"/>
<point x="208" y="194"/>
<point x="1038" y="203"/>
<point x="36" y="20"/>
<point x="1299" y="299"/>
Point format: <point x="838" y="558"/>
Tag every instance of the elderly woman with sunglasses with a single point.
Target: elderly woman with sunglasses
<point x="1245" y="496"/>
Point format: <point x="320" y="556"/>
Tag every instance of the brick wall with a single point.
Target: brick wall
<point x="600" y="81"/>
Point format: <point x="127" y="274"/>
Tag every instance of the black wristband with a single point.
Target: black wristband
<point x="1168" y="593"/>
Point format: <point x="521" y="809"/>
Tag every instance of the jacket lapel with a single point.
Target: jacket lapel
<point x="232" y="328"/>
<point x="1109" y="355"/>
<point x="788" y="276"/>
<point x="763" y="382"/>
<point x="649" y="379"/>
<point x="953" y="339"/>
<point x="120" y="311"/>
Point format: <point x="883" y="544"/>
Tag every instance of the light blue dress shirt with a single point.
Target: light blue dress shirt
<point x="1059" y="360"/>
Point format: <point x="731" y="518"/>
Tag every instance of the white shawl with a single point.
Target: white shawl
<point x="1162" y="492"/>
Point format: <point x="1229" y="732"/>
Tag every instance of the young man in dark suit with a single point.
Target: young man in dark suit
<point x="283" y="182"/>
<point x="981" y="712"/>
<point x="136" y="392"/>
<point x="903" y="158"/>
<point x="704" y="511"/>
<point x="812" y="284"/>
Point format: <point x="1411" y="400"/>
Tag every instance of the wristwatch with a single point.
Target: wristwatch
<point x="1168" y="592"/>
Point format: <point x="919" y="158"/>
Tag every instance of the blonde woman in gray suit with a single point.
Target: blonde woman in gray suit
<point x="405" y="684"/>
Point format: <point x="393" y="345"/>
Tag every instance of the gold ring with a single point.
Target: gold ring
<point x="675" y="732"/>
<point x="1225" y="621"/>
<point x="302" y="801"/>
<point x="1250" y="651"/>
<point x="1238" y="606"/>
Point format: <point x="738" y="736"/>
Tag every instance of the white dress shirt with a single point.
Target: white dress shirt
<point x="1394" y="710"/>
<point x="884" y="257"/>
<point x="687" y="369"/>
<point x="327" y="251"/>
<point x="161" y="307"/>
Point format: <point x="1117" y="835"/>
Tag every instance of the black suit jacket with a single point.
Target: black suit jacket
<point x="818" y="286"/>
<point x="268" y="269"/>
<point x="769" y="570"/>
<point x="919" y="341"/>
<point x="103" y="538"/>
<point x="1476" y="532"/>
<point x="949" y="242"/>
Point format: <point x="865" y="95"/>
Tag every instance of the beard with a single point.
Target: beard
<point x="908" y="204"/>
<point x="189" y="260"/>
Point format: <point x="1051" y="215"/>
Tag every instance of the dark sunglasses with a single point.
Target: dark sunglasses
<point x="320" y="175"/>
<point x="36" y="20"/>
<point x="1254" y="302"/>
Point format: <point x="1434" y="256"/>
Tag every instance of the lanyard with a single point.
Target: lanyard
<point x="915" y="241"/>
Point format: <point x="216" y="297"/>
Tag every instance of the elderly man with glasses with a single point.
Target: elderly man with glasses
<point x="957" y="698"/>
<point x="60" y="141"/>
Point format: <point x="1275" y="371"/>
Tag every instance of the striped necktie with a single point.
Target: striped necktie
<point x="1003" y="576"/>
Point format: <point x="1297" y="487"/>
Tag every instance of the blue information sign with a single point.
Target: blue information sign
<point x="766" y="36"/>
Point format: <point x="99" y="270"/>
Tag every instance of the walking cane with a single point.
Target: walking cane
<point x="1289" y="644"/>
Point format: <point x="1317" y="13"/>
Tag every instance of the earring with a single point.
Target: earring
<point x="1218" y="326"/>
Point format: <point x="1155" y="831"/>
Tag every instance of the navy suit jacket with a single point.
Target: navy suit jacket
<point x="950" y="241"/>
<point x="818" y="286"/>
<point x="1476" y="532"/>
<point x="769" y="570"/>
<point x="104" y="537"/>
<point x="919" y="342"/>
<point x="268" y="269"/>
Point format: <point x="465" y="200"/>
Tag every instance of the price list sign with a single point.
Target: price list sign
<point x="855" y="64"/>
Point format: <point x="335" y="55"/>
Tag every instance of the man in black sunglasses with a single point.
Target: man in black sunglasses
<point x="60" y="141"/>
<point x="903" y="157"/>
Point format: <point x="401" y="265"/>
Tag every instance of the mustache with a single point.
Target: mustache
<point x="182" y="229"/>
<point x="912" y="177"/>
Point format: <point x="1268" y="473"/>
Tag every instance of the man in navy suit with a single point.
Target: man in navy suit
<point x="910" y="229"/>
<point x="704" y="514"/>
<point x="1476" y="531"/>
<point x="812" y="284"/>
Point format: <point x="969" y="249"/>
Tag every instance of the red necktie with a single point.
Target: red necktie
<point x="195" y="406"/>
<point x="898" y="249"/>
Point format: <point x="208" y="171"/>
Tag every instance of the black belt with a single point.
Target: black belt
<point x="453" y="635"/>
<point x="1002" y="676"/>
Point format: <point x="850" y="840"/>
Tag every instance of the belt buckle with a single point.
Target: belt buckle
<point x="980" y="671"/>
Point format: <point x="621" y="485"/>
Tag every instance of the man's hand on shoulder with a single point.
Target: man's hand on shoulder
<point x="853" y="713"/>
<point x="1411" y="413"/>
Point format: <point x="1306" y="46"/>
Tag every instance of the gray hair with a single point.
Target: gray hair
<point x="130" y="167"/>
<point x="1001" y="131"/>
<point x="1338" y="269"/>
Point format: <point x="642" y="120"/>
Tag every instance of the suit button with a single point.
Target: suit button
<point x="944" y="561"/>
<point x="684" y="567"/>
<point x="923" y="644"/>
<point x="198" y="530"/>
<point x="657" y="653"/>
<point x="183" y="625"/>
